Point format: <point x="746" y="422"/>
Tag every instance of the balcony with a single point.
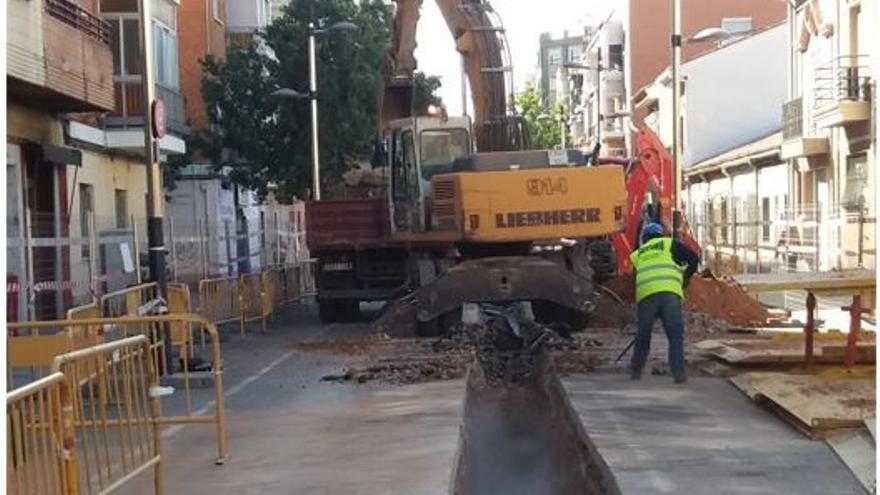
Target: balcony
<point x="59" y="56"/>
<point x="794" y="143"/>
<point x="129" y="108"/>
<point x="842" y="91"/>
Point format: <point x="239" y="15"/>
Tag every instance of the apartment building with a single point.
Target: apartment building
<point x="245" y="18"/>
<point x="638" y="32"/>
<point x="76" y="187"/>
<point x="202" y="34"/>
<point x="553" y="54"/>
<point x="829" y="128"/>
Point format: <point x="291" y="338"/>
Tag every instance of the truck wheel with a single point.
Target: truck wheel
<point x="429" y="328"/>
<point x="327" y="310"/>
<point x="349" y="310"/>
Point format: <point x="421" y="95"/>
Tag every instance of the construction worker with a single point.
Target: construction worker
<point x="663" y="267"/>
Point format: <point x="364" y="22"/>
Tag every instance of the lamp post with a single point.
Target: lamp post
<point x="154" y="130"/>
<point x="708" y="34"/>
<point x="314" y="32"/>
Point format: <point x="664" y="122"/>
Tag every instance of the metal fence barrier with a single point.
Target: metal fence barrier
<point x="138" y="300"/>
<point x="255" y="296"/>
<point x="122" y="328"/>
<point x="38" y="446"/>
<point x="115" y="413"/>
<point x="252" y="293"/>
<point x="219" y="300"/>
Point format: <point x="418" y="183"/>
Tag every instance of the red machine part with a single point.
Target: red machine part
<point x="649" y="181"/>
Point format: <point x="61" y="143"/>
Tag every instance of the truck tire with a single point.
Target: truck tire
<point x="349" y="310"/>
<point x="327" y="310"/>
<point x="603" y="260"/>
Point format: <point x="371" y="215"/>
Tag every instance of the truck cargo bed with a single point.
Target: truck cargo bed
<point x="346" y="223"/>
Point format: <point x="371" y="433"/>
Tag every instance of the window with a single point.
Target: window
<point x="217" y="6"/>
<point x="736" y="25"/>
<point x="165" y="46"/>
<point x="856" y="188"/>
<point x="86" y="209"/>
<point x="554" y="58"/>
<point x="765" y="219"/>
<point x="440" y="148"/>
<point x="574" y="54"/>
<point x="121" y="200"/>
<point x="615" y="57"/>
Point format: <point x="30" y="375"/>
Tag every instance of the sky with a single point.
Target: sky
<point x="524" y="22"/>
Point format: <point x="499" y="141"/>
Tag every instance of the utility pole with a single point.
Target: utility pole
<point x="599" y="100"/>
<point x="154" y="127"/>
<point x="676" y="115"/>
<point x="313" y="93"/>
<point x="676" y="100"/>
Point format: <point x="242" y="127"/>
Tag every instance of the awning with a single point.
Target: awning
<point x="55" y="155"/>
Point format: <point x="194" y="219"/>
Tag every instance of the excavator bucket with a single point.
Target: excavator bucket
<point x="488" y="280"/>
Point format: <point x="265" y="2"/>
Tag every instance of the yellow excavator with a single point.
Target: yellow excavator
<point x="468" y="213"/>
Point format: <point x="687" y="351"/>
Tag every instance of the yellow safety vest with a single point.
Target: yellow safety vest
<point x="656" y="269"/>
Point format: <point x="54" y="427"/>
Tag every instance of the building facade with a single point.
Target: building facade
<point x="553" y="54"/>
<point x="76" y="192"/>
<point x="633" y="46"/>
<point x="247" y="17"/>
<point x="829" y="129"/>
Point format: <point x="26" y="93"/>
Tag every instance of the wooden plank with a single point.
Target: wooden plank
<point x="814" y="403"/>
<point x="857" y="450"/>
<point x="850" y="281"/>
<point x="786" y="350"/>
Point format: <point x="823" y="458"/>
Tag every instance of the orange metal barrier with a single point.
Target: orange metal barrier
<point x="139" y="300"/>
<point x="252" y="296"/>
<point x="39" y="444"/>
<point x="220" y="300"/>
<point x="126" y="327"/>
<point x="115" y="413"/>
<point x="181" y="334"/>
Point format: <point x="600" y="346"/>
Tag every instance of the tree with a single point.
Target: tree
<point x="545" y="129"/>
<point x="263" y="139"/>
<point x="425" y="92"/>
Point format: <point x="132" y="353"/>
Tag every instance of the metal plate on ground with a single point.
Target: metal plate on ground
<point x="817" y="405"/>
<point x="859" y="452"/>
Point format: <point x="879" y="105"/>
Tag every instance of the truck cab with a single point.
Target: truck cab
<point x="417" y="149"/>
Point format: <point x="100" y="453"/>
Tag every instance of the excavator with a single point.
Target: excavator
<point x="470" y="214"/>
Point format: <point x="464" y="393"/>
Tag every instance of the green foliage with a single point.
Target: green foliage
<point x="425" y="92"/>
<point x="545" y="129"/>
<point x="269" y="139"/>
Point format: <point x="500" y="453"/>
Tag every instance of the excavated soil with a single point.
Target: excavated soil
<point x="720" y="299"/>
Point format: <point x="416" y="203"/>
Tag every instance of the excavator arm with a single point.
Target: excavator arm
<point x="480" y="39"/>
<point x="650" y="189"/>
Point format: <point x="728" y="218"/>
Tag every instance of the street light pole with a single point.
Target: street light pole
<point x="599" y="100"/>
<point x="676" y="101"/>
<point x="313" y="94"/>
<point x="155" y="235"/>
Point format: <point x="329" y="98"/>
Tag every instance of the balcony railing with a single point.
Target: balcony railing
<point x="75" y="16"/>
<point x="129" y="110"/>
<point x="793" y="119"/>
<point x="844" y="78"/>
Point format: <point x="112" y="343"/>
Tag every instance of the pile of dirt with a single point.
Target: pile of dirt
<point x="721" y="299"/>
<point x="405" y="372"/>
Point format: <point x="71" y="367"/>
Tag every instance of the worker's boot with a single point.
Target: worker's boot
<point x="635" y="373"/>
<point x="681" y="377"/>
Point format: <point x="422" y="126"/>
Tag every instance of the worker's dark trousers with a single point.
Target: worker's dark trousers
<point x="667" y="307"/>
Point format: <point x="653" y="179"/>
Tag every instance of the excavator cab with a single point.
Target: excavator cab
<point x="417" y="149"/>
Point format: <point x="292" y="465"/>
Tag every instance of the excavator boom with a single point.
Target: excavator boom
<point x="480" y="39"/>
